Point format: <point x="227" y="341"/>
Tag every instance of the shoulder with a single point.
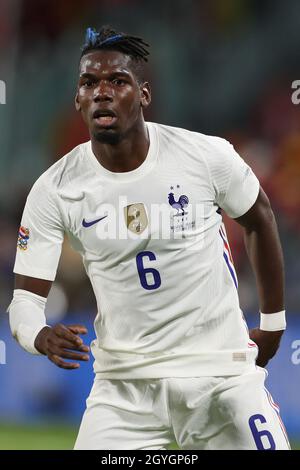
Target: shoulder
<point x="208" y="143"/>
<point x="208" y="149"/>
<point x="69" y="165"/>
<point x="58" y="175"/>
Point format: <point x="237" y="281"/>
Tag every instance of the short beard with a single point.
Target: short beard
<point x="106" y="137"/>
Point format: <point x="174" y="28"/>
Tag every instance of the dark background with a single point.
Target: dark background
<point x="221" y="67"/>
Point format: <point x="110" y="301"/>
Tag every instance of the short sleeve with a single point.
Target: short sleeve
<point x="236" y="186"/>
<point x="40" y="235"/>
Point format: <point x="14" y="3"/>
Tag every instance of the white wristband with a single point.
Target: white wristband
<point x="273" y="321"/>
<point x="27" y="318"/>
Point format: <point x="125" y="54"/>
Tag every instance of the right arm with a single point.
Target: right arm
<point x="38" y="251"/>
<point x="59" y="342"/>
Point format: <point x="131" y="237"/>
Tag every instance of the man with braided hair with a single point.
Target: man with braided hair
<point x="142" y="203"/>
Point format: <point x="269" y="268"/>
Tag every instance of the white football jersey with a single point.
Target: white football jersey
<point x="156" y="252"/>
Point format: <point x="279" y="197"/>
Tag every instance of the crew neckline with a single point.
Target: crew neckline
<point x="126" y="176"/>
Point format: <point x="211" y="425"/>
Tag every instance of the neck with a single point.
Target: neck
<point x="128" y="154"/>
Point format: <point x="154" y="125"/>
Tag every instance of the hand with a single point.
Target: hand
<point x="267" y="342"/>
<point x="59" y="341"/>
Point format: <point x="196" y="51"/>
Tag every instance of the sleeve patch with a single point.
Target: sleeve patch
<point x="23" y="237"/>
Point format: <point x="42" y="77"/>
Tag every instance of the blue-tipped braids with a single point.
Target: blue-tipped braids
<point x="107" y="38"/>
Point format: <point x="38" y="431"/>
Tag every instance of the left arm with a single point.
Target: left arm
<point x="265" y="254"/>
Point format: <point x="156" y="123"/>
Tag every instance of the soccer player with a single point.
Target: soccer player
<point x="142" y="203"/>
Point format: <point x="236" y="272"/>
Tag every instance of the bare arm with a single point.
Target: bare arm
<point x="59" y="341"/>
<point x="37" y="286"/>
<point x="265" y="254"/>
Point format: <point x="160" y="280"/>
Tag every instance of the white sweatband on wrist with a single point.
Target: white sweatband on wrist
<point x="272" y="321"/>
<point x="27" y="318"/>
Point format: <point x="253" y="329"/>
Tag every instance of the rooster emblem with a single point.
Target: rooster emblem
<point x="182" y="202"/>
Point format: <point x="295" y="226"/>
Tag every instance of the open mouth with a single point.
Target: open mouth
<point x="104" y="118"/>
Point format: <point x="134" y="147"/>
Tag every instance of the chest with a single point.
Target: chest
<point x="114" y="219"/>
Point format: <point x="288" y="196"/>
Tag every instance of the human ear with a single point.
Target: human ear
<point x="77" y="104"/>
<point x="145" y="95"/>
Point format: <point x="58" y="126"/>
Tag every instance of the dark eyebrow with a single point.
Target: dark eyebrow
<point x="87" y="75"/>
<point x="119" y="73"/>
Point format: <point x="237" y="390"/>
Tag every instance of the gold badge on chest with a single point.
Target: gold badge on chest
<point x="136" y="218"/>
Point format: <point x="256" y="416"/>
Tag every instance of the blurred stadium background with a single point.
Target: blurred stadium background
<point x="222" y="67"/>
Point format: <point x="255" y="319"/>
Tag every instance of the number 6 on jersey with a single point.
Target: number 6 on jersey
<point x="147" y="282"/>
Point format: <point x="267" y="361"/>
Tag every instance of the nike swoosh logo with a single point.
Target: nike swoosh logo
<point x="89" y="224"/>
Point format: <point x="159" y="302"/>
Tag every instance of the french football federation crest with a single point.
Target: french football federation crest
<point x="183" y="201"/>
<point x="136" y="218"/>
